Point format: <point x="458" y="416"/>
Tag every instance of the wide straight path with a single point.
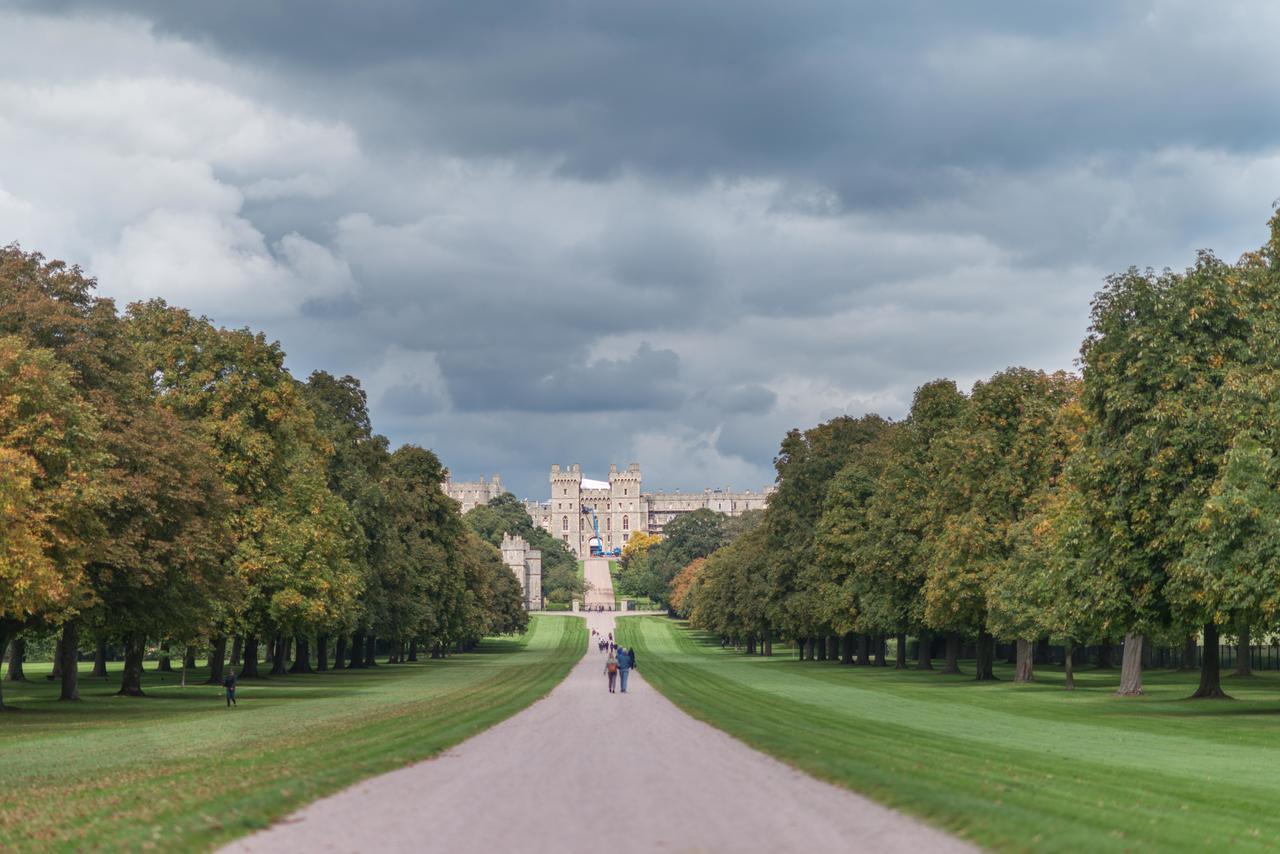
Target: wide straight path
<point x="587" y="771"/>
<point x="595" y="571"/>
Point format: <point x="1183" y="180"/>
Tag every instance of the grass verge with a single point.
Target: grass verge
<point x="177" y="769"/>
<point x="1011" y="767"/>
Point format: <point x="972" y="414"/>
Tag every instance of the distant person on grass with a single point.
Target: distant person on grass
<point x="625" y="663"/>
<point x="611" y="670"/>
<point x="230" y="684"/>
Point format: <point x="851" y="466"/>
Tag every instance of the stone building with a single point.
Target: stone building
<point x="622" y="507"/>
<point x="473" y="493"/>
<point x="526" y="563"/>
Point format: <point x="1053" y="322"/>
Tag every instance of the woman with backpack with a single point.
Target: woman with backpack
<point x="611" y="670"/>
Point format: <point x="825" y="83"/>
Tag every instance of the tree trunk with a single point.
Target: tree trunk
<point x="768" y="642"/>
<point x="986" y="657"/>
<point x="1105" y="651"/>
<point x="1244" y="652"/>
<point x="1025" y="671"/>
<point x="864" y="651"/>
<point x="1210" y="673"/>
<point x="322" y="653"/>
<point x="131" y="676"/>
<point x="833" y="648"/>
<point x="100" y="659"/>
<point x="340" y="652"/>
<point x="189" y="658"/>
<point x="370" y="642"/>
<point x="278" y="657"/>
<point x="952" y="664"/>
<point x="357" y="651"/>
<point x="1068" y="667"/>
<point x="217" y="658"/>
<point x="70" y="651"/>
<point x="17" y="652"/>
<point x="165" y="665"/>
<point x="1189" y="653"/>
<point x="1131" y="666"/>
<point x="807" y="654"/>
<point x="822" y="648"/>
<point x="751" y="644"/>
<point x="900" y="661"/>
<point x="302" y="659"/>
<point x="237" y="646"/>
<point x="249" y="665"/>
<point x="924" y="651"/>
<point x="882" y="651"/>
<point x="413" y="650"/>
<point x="846" y="648"/>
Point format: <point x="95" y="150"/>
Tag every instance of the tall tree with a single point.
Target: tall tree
<point x="989" y="470"/>
<point x="1167" y="367"/>
<point x="49" y="463"/>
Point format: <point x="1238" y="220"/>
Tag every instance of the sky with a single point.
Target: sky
<point x="558" y="231"/>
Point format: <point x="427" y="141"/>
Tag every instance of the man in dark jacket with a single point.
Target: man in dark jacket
<point x="230" y="684"/>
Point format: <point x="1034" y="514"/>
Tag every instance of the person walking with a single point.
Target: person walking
<point x="611" y="670"/>
<point x="230" y="684"/>
<point x="624" y="666"/>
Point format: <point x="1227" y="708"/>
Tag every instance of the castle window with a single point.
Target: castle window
<point x="608" y="523"/>
<point x="626" y="523"/>
<point x="564" y="523"/>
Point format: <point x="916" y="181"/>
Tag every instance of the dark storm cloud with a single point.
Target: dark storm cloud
<point x="647" y="380"/>
<point x="888" y="104"/>
<point x="565" y="230"/>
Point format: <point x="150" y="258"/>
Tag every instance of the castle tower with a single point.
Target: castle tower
<point x="566" y="506"/>
<point x="526" y="564"/>
<point x="626" y="507"/>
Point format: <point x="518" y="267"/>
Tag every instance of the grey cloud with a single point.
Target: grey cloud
<point x="750" y="399"/>
<point x="410" y="399"/>
<point x="602" y="227"/>
<point x="647" y="380"/>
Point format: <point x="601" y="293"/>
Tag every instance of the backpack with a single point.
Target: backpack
<point x="613" y="667"/>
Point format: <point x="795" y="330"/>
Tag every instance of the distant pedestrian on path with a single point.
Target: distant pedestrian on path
<point x="230" y="684"/>
<point x="625" y="663"/>
<point x="611" y="670"/>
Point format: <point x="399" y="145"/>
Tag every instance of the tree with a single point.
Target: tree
<point x="295" y="539"/>
<point x="682" y="586"/>
<point x="638" y="544"/>
<point x="806" y="464"/>
<point x="990" y="468"/>
<point x="48" y="465"/>
<point x="1170" y="365"/>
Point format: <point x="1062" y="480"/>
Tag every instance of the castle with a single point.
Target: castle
<point x="622" y="507"/>
<point x="474" y="493"/>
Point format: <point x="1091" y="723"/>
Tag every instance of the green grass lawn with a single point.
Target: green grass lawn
<point x="1011" y="767"/>
<point x="177" y="769"/>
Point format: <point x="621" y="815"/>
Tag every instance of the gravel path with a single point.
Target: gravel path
<point x="587" y="771"/>
<point x="595" y="571"/>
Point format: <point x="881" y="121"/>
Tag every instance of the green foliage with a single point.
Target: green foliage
<point x="692" y="535"/>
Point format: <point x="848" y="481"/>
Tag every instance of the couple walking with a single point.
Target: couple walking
<point x="618" y="666"/>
